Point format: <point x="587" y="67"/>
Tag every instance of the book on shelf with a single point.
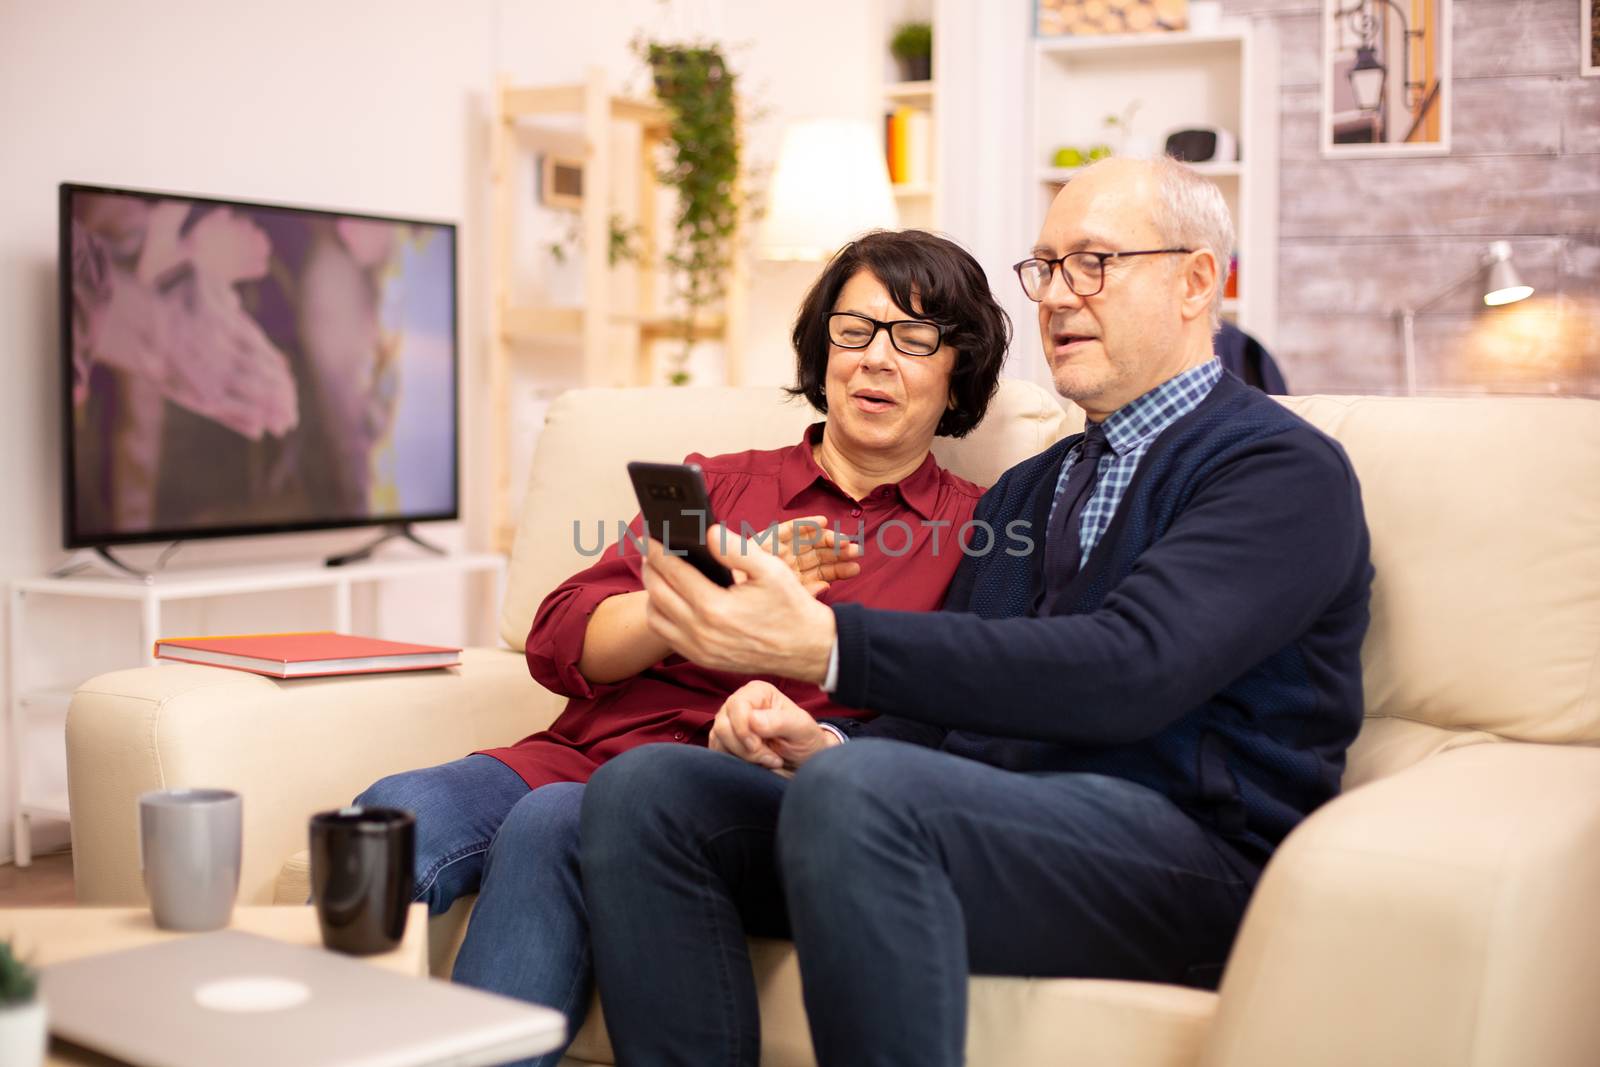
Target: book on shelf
<point x="919" y="148"/>
<point x="908" y="144"/>
<point x="306" y="655"/>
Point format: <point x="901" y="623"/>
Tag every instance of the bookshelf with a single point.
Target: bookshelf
<point x="917" y="193"/>
<point x="1227" y="77"/>
<point x="622" y="312"/>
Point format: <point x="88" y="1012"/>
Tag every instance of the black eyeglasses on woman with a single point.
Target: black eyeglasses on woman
<point x="913" y="337"/>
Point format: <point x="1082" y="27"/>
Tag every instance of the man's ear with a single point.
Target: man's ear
<point x="1202" y="275"/>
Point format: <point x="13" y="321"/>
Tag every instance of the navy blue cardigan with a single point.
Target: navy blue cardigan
<point x="1211" y="647"/>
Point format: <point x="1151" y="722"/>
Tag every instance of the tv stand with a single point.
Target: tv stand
<point x="99" y="558"/>
<point x="398" y="531"/>
<point x="38" y="688"/>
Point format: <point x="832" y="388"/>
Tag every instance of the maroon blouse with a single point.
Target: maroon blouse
<point x="904" y="567"/>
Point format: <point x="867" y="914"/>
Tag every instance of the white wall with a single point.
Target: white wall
<point x="365" y="104"/>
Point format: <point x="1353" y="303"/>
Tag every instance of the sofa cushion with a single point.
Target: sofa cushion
<point x="1485" y="522"/>
<point x="579" y="470"/>
<point x="289" y="747"/>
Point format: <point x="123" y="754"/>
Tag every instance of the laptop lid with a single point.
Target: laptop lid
<point x="235" y="998"/>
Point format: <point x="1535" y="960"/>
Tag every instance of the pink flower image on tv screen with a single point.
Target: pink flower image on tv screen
<point x="237" y="367"/>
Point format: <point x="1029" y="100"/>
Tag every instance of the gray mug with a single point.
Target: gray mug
<point x="189" y="850"/>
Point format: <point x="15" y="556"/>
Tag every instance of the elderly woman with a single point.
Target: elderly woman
<point x="897" y="341"/>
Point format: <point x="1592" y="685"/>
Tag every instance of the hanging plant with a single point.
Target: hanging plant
<point x="701" y="165"/>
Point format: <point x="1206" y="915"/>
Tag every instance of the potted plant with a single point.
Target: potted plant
<point x="912" y="45"/>
<point x="696" y="86"/>
<point x="22" y="1026"/>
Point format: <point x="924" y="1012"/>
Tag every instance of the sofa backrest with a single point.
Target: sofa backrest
<point x="1484" y="515"/>
<point x="579" y="469"/>
<point x="1485" y="524"/>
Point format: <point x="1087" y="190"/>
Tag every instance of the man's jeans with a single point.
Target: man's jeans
<point x="899" y="871"/>
<point x="480" y="829"/>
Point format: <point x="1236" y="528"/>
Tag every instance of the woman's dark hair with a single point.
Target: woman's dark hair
<point x="920" y="270"/>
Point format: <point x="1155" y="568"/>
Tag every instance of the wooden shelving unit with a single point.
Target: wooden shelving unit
<point x="622" y="316"/>
<point x="917" y="202"/>
<point x="1226" y="78"/>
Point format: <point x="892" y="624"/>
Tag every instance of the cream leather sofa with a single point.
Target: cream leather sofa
<point x="1443" y="912"/>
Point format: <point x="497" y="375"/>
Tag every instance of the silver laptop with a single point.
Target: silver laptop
<point x="237" y="999"/>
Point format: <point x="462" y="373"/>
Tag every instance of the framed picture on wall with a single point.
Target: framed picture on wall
<point x="1589" y="40"/>
<point x="1386" y="77"/>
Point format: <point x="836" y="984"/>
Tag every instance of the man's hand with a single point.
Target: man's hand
<point x="818" y="554"/>
<point x="762" y="726"/>
<point x="766" y="624"/>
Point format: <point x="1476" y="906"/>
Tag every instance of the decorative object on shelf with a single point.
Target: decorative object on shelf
<point x="1203" y="144"/>
<point x="1071" y="17"/>
<point x="23" y="1034"/>
<point x="622" y="244"/>
<point x="830" y="184"/>
<point x="1386" y="77"/>
<point x="1205" y="16"/>
<point x="912" y="47"/>
<point x="1589" y="40"/>
<point x="696" y="86"/>
<point x="560" y="182"/>
<point x="1120" y="127"/>
<point x="1501" y="286"/>
<point x="1069" y="156"/>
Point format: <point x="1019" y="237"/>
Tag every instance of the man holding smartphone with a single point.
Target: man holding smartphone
<point x="1080" y="765"/>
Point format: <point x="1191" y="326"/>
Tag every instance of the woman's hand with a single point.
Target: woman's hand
<point x="762" y="726"/>
<point x="818" y="554"/>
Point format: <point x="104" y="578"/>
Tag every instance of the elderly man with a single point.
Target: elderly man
<point x="1080" y="765"/>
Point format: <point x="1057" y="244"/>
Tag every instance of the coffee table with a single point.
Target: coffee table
<point x="44" y="936"/>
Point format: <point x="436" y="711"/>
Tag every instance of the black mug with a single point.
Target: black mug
<point x="362" y="877"/>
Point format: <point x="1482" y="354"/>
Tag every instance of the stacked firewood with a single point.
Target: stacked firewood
<point x="1111" y="16"/>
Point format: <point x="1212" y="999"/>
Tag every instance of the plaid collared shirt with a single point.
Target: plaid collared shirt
<point x="1130" y="431"/>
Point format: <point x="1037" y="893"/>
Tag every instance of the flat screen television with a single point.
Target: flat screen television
<point x="233" y="368"/>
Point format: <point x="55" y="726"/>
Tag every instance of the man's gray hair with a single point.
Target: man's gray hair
<point x="1191" y="213"/>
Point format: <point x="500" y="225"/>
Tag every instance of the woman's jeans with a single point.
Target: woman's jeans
<point x="480" y="829"/>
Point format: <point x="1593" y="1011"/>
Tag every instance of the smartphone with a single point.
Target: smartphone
<point x="677" y="513"/>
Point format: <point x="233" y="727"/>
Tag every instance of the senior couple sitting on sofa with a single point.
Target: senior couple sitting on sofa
<point x="1078" y="768"/>
<point x="1147" y="673"/>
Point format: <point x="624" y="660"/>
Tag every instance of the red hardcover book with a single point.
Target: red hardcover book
<point x="306" y="655"/>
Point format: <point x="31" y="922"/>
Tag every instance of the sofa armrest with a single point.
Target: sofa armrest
<point x="1445" y="916"/>
<point x="290" y="748"/>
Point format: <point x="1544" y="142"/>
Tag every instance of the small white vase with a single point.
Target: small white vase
<point x="23" y="1034"/>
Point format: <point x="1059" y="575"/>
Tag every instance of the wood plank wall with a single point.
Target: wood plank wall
<point x="1359" y="238"/>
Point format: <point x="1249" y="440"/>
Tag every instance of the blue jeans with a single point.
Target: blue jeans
<point x="898" y="871"/>
<point x="480" y="829"/>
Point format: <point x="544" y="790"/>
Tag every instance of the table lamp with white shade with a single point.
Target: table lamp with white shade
<point x="1503" y="286"/>
<point x="831" y="184"/>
